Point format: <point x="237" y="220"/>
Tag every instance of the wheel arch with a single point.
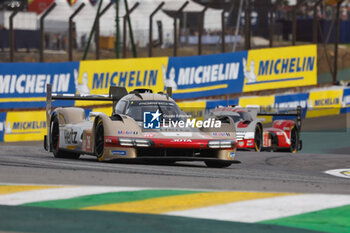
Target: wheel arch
<point x="281" y="124"/>
<point x="105" y="119"/>
<point x="69" y="115"/>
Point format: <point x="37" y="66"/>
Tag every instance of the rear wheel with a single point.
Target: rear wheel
<point x="99" y="140"/>
<point x="258" y="138"/>
<point x="294" y="140"/>
<point x="55" y="139"/>
<point x="217" y="164"/>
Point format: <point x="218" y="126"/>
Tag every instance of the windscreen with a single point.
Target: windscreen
<point x="168" y="109"/>
<point x="241" y="116"/>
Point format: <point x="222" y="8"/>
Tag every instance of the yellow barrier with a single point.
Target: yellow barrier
<point x="280" y="68"/>
<point x="95" y="77"/>
<point x="324" y="103"/>
<point x="25" y="126"/>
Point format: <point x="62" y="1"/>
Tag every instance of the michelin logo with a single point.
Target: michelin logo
<point x="8" y="127"/>
<point x="317" y="103"/>
<point x="33" y="83"/>
<point x="134" y="78"/>
<point x="205" y="74"/>
<point x="287" y="65"/>
<point x="277" y="67"/>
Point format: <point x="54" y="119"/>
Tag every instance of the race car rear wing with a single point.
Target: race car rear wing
<point x="115" y="94"/>
<point x="297" y="114"/>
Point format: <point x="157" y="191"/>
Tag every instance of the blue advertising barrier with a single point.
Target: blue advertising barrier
<point x="281" y="103"/>
<point x="200" y="76"/>
<point x="23" y="85"/>
<point x="346" y="101"/>
<point x="2" y="125"/>
<point x="215" y="103"/>
<point x="291" y="102"/>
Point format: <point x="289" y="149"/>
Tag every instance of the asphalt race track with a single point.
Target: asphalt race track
<point x="264" y="171"/>
<point x="326" y="146"/>
<point x="264" y="192"/>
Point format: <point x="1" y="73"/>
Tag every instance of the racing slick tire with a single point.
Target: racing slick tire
<point x="258" y="139"/>
<point x="55" y="135"/>
<point x="99" y="140"/>
<point x="294" y="140"/>
<point x="217" y="164"/>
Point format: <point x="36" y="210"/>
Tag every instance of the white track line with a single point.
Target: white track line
<point x="267" y="208"/>
<point x="343" y="173"/>
<point x="50" y="194"/>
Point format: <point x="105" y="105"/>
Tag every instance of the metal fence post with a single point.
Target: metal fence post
<point x="248" y="25"/>
<point x="125" y="20"/>
<point x="12" y="37"/>
<point x="294" y="25"/>
<point x="201" y="28"/>
<point x="223" y="32"/>
<point x="42" y="36"/>
<point x="97" y="30"/>
<point x="178" y="12"/>
<point x="117" y="30"/>
<point x="295" y="8"/>
<point x="70" y="34"/>
<point x="130" y="29"/>
<point x="150" y="43"/>
<point x="238" y="23"/>
<point x="336" y="42"/>
<point x="93" y="29"/>
<point x="315" y="23"/>
<point x="272" y="22"/>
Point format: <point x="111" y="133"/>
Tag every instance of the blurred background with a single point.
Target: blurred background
<point x="60" y="30"/>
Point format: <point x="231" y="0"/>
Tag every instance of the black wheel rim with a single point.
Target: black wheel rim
<point x="257" y="138"/>
<point x="99" y="141"/>
<point x="293" y="140"/>
<point x="55" y="134"/>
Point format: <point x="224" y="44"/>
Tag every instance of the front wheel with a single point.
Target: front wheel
<point x="99" y="140"/>
<point x="258" y="141"/>
<point x="217" y="164"/>
<point x="294" y="140"/>
<point x="55" y="139"/>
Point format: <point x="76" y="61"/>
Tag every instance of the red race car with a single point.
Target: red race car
<point x="284" y="135"/>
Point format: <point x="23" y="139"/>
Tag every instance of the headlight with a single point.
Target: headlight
<point x="126" y="142"/>
<point x="135" y="142"/>
<point x="142" y="142"/>
<point x="221" y="144"/>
